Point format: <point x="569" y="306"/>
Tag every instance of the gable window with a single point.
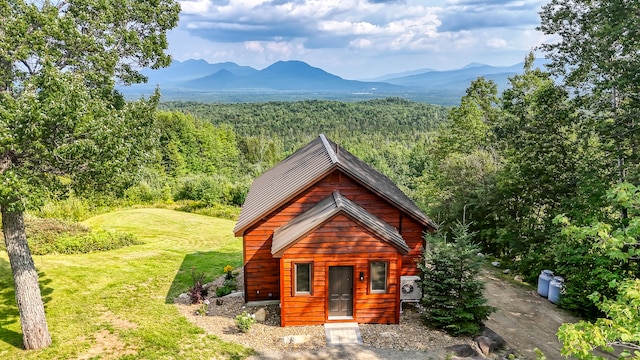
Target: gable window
<point x="302" y="278"/>
<point x="378" y="276"/>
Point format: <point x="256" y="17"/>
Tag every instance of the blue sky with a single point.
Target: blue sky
<point x="358" y="39"/>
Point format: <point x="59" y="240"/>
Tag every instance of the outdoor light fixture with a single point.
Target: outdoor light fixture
<point x="361" y="276"/>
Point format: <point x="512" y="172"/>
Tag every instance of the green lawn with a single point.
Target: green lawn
<point x="117" y="304"/>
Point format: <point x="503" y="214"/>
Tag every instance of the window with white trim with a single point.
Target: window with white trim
<point x="378" y="276"/>
<point x="302" y="278"/>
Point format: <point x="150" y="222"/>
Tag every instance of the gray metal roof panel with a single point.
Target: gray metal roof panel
<point x="284" y="181"/>
<point x="379" y="183"/>
<point x="307" y="165"/>
<point x="324" y="210"/>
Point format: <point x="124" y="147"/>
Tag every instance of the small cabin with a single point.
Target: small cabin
<point x="330" y="238"/>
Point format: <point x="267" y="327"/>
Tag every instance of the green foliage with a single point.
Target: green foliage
<point x="244" y="322"/>
<point x="230" y="283"/>
<point x="191" y="146"/>
<point x="144" y="193"/>
<point x="209" y="190"/>
<point x="620" y="327"/>
<point x="585" y="272"/>
<point x="452" y="292"/>
<point x="214" y="210"/>
<point x="223" y="290"/>
<point x="296" y="123"/>
<point x="97" y="240"/>
<point x="53" y="236"/>
<point x="596" y="55"/>
<point x="617" y="241"/>
<point x="71" y="208"/>
<point x="469" y="124"/>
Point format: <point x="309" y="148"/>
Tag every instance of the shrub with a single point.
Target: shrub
<point x="49" y="236"/>
<point x="207" y="189"/>
<point x="227" y="287"/>
<point x="212" y="189"/>
<point x="244" y="322"/>
<point x="97" y="240"/>
<point x="70" y="209"/>
<point x="75" y="208"/>
<point x="223" y="290"/>
<point x="214" y="210"/>
<point x="452" y="293"/>
<point x="197" y="292"/>
<point x="145" y="193"/>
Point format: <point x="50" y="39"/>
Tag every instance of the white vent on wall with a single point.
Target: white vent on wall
<point x="410" y="288"/>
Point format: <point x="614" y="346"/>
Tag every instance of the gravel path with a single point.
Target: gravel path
<point x="266" y="338"/>
<point x="410" y="339"/>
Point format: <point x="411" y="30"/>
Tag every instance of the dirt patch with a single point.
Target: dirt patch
<point x="107" y="346"/>
<point x="118" y="322"/>
<point x="523" y="318"/>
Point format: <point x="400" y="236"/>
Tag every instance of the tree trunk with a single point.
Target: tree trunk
<point x="35" y="334"/>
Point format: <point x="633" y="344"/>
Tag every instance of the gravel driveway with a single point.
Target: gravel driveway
<point x="525" y="320"/>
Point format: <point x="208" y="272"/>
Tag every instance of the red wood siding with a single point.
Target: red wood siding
<point x="262" y="271"/>
<point x="340" y="242"/>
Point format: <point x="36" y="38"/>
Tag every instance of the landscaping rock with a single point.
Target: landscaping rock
<point x="462" y="350"/>
<point x="518" y="278"/>
<point x="206" y="287"/>
<point x="497" y="340"/>
<point x="183" y="299"/>
<point x="295" y="339"/>
<point x="488" y="341"/>
<point x="506" y="271"/>
<point x="260" y="315"/>
<point x="485" y="344"/>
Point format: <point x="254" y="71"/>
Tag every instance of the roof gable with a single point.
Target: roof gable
<point x="287" y="235"/>
<point x="304" y="168"/>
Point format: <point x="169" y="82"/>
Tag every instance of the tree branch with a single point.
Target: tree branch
<point x="7" y="159"/>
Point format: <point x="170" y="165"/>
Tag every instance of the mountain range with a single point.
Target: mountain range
<point x="199" y="80"/>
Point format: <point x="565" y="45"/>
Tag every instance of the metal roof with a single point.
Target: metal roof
<point x="324" y="210"/>
<point x="308" y="165"/>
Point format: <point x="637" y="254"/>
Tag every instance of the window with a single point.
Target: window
<point x="302" y="278"/>
<point x="378" y="276"/>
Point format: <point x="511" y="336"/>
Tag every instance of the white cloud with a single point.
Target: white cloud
<point x="358" y="36"/>
<point x="496" y="43"/>
<point x="254" y="46"/>
<point x="195" y="6"/>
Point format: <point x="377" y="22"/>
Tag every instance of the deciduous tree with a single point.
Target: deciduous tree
<point x="596" y="55"/>
<point x="60" y="118"/>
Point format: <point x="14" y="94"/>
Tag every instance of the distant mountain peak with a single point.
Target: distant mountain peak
<point x="473" y="65"/>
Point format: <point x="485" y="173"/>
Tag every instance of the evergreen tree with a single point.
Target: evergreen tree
<point x="452" y="292"/>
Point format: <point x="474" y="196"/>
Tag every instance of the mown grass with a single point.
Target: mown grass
<point x="117" y="304"/>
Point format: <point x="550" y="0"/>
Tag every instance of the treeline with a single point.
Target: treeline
<point x="296" y="123"/>
<point x="205" y="156"/>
